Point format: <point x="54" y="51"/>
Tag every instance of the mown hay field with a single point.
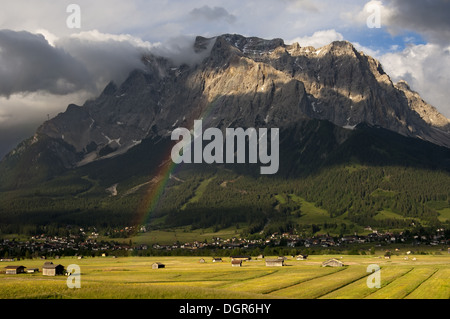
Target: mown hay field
<point x="428" y="276"/>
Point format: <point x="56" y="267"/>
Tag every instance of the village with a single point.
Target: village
<point x="90" y="244"/>
<point x="235" y="251"/>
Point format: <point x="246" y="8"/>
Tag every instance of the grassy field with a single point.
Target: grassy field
<point x="186" y="278"/>
<point x="444" y="214"/>
<point x="198" y="192"/>
<point x="181" y="234"/>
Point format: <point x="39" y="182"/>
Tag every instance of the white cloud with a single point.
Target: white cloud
<point x="368" y="51"/>
<point x="426" y="68"/>
<point x="212" y="14"/>
<point x="97" y="36"/>
<point x="360" y="15"/>
<point x="300" y="5"/>
<point x="318" y="39"/>
<point x="180" y="50"/>
<point x="50" y="37"/>
<point x="107" y="57"/>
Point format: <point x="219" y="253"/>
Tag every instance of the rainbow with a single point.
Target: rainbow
<point x="154" y="191"/>
<point x="159" y="182"/>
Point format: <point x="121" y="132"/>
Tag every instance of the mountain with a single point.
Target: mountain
<point x="334" y="107"/>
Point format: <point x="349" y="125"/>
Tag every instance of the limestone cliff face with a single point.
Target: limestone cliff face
<point x="426" y="111"/>
<point x="246" y="82"/>
<point x="348" y="87"/>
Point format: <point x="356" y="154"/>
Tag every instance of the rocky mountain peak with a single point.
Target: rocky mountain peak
<point x="252" y="44"/>
<point x="245" y="82"/>
<point x="342" y="45"/>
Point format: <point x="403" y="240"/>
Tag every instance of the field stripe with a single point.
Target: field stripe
<point x="436" y="286"/>
<point x="232" y="282"/>
<point x="359" y="289"/>
<point x="317" y="287"/>
<point x="343" y="286"/>
<point x="403" y="286"/>
<point x="278" y="279"/>
<point x="298" y="282"/>
<point x="435" y="271"/>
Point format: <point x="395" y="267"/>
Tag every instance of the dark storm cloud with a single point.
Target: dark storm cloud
<point x="107" y="59"/>
<point x="29" y="64"/>
<point x="428" y="17"/>
<point x="84" y="62"/>
<point x="212" y="14"/>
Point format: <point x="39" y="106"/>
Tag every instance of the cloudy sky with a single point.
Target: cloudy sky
<point x="50" y="56"/>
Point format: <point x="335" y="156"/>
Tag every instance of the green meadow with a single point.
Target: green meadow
<point x="428" y="276"/>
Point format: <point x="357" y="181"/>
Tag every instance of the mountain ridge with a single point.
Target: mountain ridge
<point x="241" y="82"/>
<point x="329" y="95"/>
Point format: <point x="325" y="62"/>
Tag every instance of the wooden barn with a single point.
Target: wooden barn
<point x="158" y="266"/>
<point x="274" y="262"/>
<point x="236" y="263"/>
<point x="332" y="263"/>
<point x="242" y="258"/>
<point x="51" y="269"/>
<point x="14" y="270"/>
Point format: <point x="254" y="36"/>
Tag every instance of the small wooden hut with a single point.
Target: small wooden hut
<point x="332" y="263"/>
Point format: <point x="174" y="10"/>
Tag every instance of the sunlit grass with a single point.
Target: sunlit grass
<point x="436" y="287"/>
<point x="404" y="285"/>
<point x="359" y="288"/>
<point x="185" y="278"/>
<point x="318" y="287"/>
